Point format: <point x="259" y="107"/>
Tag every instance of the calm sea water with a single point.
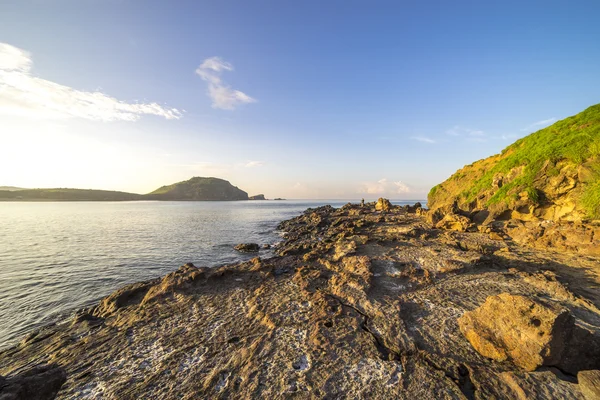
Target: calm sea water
<point x="56" y="258"/>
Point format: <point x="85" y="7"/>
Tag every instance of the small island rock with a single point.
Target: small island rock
<point x="247" y="247"/>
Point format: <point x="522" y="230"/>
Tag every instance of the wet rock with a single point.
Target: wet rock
<point x="526" y="331"/>
<point x="38" y="383"/>
<point x="383" y="204"/>
<point x="589" y="384"/>
<point x="247" y="247"/>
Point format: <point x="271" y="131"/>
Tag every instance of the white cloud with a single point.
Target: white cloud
<point x="222" y="95"/>
<point x="385" y="187"/>
<point x="539" y="124"/>
<point x="252" y="164"/>
<point x="23" y="94"/>
<point x="423" y="139"/>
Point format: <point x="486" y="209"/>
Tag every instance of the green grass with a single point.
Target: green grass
<point x="575" y="139"/>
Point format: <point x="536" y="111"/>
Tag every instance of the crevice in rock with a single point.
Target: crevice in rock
<point x="385" y="353"/>
<point x="563" y="375"/>
<point x="462" y="381"/>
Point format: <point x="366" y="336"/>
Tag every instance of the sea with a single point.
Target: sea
<point x="59" y="257"/>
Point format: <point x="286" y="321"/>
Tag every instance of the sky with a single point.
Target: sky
<point x="295" y="99"/>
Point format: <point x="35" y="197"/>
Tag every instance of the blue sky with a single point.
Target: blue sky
<point x="311" y="99"/>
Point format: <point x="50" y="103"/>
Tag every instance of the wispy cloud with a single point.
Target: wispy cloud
<point x="471" y="135"/>
<point x="253" y="164"/>
<point x="539" y="124"/>
<point x="466" y="132"/>
<point x="222" y="95"/>
<point x="384" y="186"/>
<point x="23" y="94"/>
<point x="423" y="139"/>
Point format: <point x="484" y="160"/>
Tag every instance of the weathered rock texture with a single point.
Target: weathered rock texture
<point x="526" y="331"/>
<point x="589" y="382"/>
<point x="357" y="304"/>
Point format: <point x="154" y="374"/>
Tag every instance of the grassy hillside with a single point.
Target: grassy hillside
<point x="67" y="195"/>
<point x="199" y="188"/>
<point x="194" y="189"/>
<point x="532" y="166"/>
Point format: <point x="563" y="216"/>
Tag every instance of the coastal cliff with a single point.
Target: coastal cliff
<point x="543" y="190"/>
<point x="358" y="302"/>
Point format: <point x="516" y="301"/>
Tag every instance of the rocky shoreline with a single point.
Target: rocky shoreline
<point x="378" y="301"/>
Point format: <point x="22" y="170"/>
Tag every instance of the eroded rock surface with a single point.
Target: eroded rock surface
<point x="356" y="304"/>
<point x="528" y="332"/>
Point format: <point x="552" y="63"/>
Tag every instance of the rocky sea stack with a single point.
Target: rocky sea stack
<point x="357" y="303"/>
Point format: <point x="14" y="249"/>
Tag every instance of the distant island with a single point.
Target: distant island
<point x="194" y="189"/>
<point x="257" y="197"/>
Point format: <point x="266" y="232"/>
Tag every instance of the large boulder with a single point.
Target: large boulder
<point x="526" y="331"/>
<point x="589" y="384"/>
<point x="383" y="204"/>
<point x="38" y="383"/>
<point x="455" y="222"/>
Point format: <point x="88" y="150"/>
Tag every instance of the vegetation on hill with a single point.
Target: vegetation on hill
<point x="194" y="189"/>
<point x="67" y="195"/>
<point x="531" y="167"/>
<point x="199" y="188"/>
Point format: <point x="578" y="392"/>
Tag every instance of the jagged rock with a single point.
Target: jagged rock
<point x="383" y="204"/>
<point x="247" y="247"/>
<point x="455" y="222"/>
<point x="38" y="383"/>
<point x="589" y="384"/>
<point x="511" y="327"/>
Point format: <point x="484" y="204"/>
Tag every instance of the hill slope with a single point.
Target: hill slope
<point x="552" y="174"/>
<point x="199" y="188"/>
<point x="67" y="195"/>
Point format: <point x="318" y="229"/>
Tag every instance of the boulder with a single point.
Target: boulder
<point x="414" y="208"/>
<point x="455" y="222"/>
<point x="589" y="384"/>
<point x="526" y="331"/>
<point x="38" y="383"/>
<point x="247" y="247"/>
<point x="383" y="204"/>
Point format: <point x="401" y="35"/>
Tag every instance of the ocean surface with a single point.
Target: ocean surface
<point x="57" y="257"/>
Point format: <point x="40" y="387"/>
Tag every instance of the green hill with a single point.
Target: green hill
<point x="67" y="195"/>
<point x="553" y="174"/>
<point x="199" y="188"/>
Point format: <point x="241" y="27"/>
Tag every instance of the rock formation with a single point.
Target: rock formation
<point x="257" y="197"/>
<point x="247" y="247"/>
<point x="357" y="303"/>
